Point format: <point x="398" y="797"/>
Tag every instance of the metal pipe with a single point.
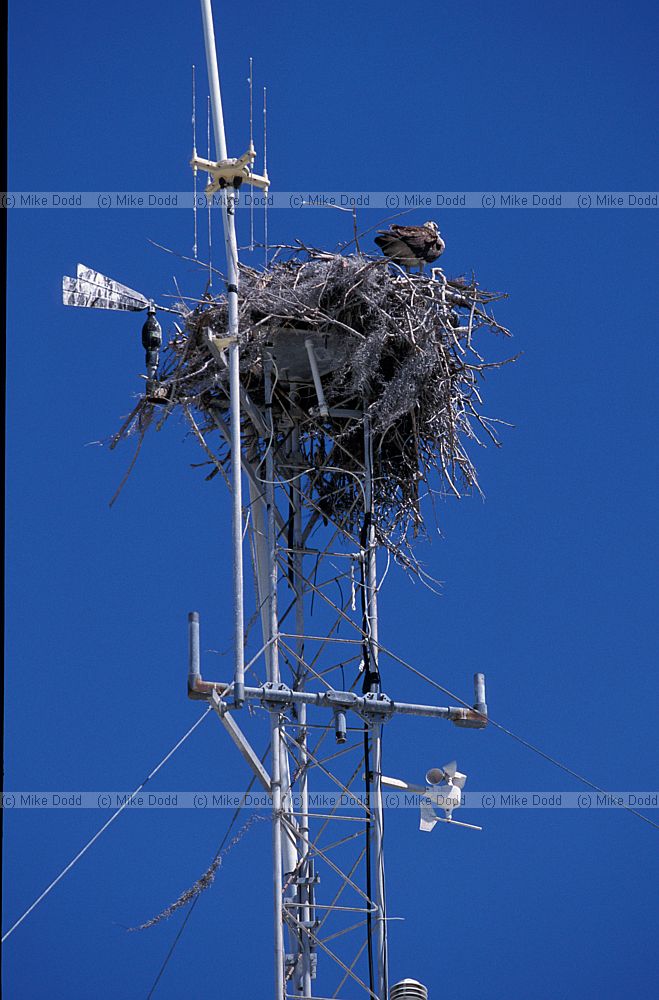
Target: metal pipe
<point x="280" y="987"/>
<point x="480" y="704"/>
<point x="375" y="803"/>
<point x="258" y="530"/>
<point x="297" y="557"/>
<point x="214" y="79"/>
<point x="273" y="623"/>
<point x="256" y="488"/>
<point x="194" y="658"/>
<point x="237" y="518"/>
<point x="381" y="708"/>
<point x="340" y="725"/>
<point x="315" y="374"/>
<point x="279" y="767"/>
<point x="229" y="223"/>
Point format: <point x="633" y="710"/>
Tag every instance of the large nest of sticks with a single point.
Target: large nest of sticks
<point x="403" y="348"/>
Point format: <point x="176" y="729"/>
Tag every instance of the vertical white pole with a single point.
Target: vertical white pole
<point x="298" y="584"/>
<point x="214" y="80"/>
<point x="276" y="722"/>
<point x="276" y="854"/>
<point x="375" y="805"/>
<point x="229" y="221"/>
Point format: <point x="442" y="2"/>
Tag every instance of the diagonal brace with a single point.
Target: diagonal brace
<point x="240" y="740"/>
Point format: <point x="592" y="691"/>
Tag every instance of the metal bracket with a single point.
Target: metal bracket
<point x="219" y="344"/>
<point x="231" y="172"/>
<point x="376" y="706"/>
<point x="323" y="408"/>
<point x="240" y="740"/>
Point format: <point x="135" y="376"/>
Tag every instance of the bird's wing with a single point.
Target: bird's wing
<point x="417" y="238"/>
<point x="394" y="247"/>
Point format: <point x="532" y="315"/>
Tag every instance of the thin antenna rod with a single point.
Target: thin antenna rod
<point x="265" y="172"/>
<point x="251" y="103"/>
<point x="195" y="245"/>
<point x="210" y="200"/>
<point x="251" y="146"/>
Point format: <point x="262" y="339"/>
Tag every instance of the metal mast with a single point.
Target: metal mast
<point x="231" y="246"/>
<point x="317" y="669"/>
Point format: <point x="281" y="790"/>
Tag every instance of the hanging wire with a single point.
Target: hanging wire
<point x="195" y="245"/>
<point x="265" y="172"/>
<point x="194" y="902"/>
<point x="209" y="200"/>
<point x="112" y="818"/>
<point x="251" y="146"/>
<point x="518" y="739"/>
<point x="203" y="882"/>
<point x="460" y="701"/>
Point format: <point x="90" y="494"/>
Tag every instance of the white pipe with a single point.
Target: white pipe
<point x="376" y="806"/>
<point x="276" y="856"/>
<point x="229" y="223"/>
<point x="315" y="374"/>
<point x="298" y="585"/>
<point x="278" y="748"/>
<point x="194" y="658"/>
<point x="237" y="524"/>
<point x="214" y="79"/>
<point x="273" y="623"/>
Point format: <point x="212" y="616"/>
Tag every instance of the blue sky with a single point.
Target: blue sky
<point x="549" y="585"/>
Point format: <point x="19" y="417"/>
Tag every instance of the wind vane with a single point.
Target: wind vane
<point x="443" y="790"/>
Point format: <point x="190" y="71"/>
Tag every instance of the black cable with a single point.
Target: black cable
<point x="371" y="682"/>
<point x="171" y="950"/>
<point x="195" y="900"/>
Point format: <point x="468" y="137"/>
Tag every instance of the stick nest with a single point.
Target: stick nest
<point x="405" y="349"/>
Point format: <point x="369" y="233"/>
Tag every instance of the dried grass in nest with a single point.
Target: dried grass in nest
<point x="410" y="353"/>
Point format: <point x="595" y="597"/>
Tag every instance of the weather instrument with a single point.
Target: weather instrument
<point x="442" y="790"/>
<point x="92" y="290"/>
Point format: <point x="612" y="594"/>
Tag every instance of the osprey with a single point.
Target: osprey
<point x="411" y="246"/>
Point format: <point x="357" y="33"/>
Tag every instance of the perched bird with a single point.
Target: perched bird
<point x="411" y="246"/>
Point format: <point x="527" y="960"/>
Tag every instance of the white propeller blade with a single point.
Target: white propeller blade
<point x="403" y="785"/>
<point x="92" y="290"/>
<point x="427" y="818"/>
